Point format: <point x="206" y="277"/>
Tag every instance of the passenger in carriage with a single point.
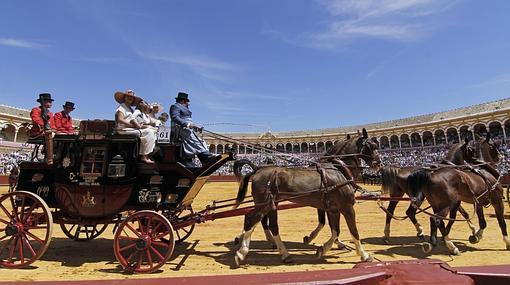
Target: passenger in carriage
<point x="37" y="113"/>
<point x="125" y="123"/>
<point x="182" y="124"/>
<point x="63" y="120"/>
<point x="142" y="116"/>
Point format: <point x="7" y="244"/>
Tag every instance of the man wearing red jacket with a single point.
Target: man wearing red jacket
<point x="38" y="125"/>
<point x="63" y="121"/>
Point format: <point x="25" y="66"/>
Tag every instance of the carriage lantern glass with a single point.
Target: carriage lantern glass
<point x="117" y="167"/>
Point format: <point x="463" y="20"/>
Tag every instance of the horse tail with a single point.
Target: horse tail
<point x="243" y="179"/>
<point x="417" y="180"/>
<point x="389" y="178"/>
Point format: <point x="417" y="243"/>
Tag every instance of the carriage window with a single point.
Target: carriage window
<point x="93" y="161"/>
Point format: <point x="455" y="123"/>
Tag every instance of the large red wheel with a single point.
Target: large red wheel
<point x="83" y="232"/>
<point x="25" y="229"/>
<point x="144" y="242"/>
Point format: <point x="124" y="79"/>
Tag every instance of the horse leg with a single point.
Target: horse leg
<point x="481" y="222"/>
<point x="473" y="238"/>
<point x="333" y="220"/>
<point x="453" y="215"/>
<point x="428" y="246"/>
<point x="275" y="233"/>
<point x="350" y="218"/>
<point x="411" y="213"/>
<point x="321" y="215"/>
<point x="250" y="221"/>
<point x="267" y="232"/>
<point x="499" y="208"/>
<point x="444" y="231"/>
<point x="389" y="213"/>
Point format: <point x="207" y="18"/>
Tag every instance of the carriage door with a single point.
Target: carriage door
<point x="90" y="194"/>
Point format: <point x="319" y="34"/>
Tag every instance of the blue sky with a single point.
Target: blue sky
<point x="277" y="65"/>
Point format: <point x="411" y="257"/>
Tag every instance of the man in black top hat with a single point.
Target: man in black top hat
<point x="182" y="124"/>
<point x="42" y="118"/>
<point x="63" y="121"/>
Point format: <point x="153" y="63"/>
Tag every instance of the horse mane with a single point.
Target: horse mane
<point x="338" y="147"/>
<point x="455" y="154"/>
<point x="389" y="178"/>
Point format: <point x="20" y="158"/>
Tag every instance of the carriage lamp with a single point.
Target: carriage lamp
<point x="37" y="177"/>
<point x="117" y="167"/>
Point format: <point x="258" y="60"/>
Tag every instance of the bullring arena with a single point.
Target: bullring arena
<point x="210" y="248"/>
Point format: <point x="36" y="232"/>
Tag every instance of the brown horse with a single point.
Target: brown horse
<point x="394" y="182"/>
<point x="446" y="187"/>
<point x="349" y="152"/>
<point x="323" y="188"/>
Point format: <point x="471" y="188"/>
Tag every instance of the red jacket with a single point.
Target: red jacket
<point x="38" y="123"/>
<point x="64" y="123"/>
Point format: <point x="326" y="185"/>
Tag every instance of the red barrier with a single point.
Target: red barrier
<point x="4" y="180"/>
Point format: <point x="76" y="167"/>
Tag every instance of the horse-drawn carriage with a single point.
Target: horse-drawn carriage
<point x="96" y="180"/>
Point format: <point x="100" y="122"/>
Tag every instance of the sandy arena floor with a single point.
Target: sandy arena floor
<point x="209" y="250"/>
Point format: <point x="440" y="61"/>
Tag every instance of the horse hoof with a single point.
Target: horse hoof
<point x="386" y="240"/>
<point x="237" y="240"/>
<point x="426" y="247"/>
<point x="473" y="239"/>
<point x="455" y="251"/>
<point x="421" y="236"/>
<point x="306" y="240"/>
<point x="508" y="247"/>
<point x="369" y="258"/>
<point x="288" y="259"/>
<point x="341" y="246"/>
<point x="238" y="261"/>
<point x="319" y="252"/>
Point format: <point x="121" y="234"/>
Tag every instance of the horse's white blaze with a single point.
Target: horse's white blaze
<point x="359" y="250"/>
<point x="245" y="244"/>
<point x="281" y="247"/>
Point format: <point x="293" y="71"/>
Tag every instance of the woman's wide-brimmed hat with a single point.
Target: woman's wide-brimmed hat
<point x="119" y="97"/>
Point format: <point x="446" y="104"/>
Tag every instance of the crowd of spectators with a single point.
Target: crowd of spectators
<point x="11" y="159"/>
<point x="399" y="158"/>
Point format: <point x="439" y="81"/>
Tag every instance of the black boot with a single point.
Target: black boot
<point x="207" y="158"/>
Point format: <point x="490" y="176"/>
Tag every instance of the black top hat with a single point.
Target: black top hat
<point x="68" y="104"/>
<point x="45" y="97"/>
<point x="182" y="96"/>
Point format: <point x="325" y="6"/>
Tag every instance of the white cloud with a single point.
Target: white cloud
<point x="202" y="65"/>
<point x="19" y="43"/>
<point x="502" y="79"/>
<point x="401" y="20"/>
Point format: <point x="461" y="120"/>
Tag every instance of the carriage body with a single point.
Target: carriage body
<point x="96" y="180"/>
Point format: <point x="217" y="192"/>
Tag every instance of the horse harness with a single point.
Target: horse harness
<point x="324" y="188"/>
<point x="476" y="169"/>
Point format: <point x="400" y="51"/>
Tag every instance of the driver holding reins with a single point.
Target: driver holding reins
<point x="183" y="125"/>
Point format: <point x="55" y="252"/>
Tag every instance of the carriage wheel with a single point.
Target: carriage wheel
<point x="83" y="232"/>
<point x="144" y="242"/>
<point x="183" y="233"/>
<point x="25" y="229"/>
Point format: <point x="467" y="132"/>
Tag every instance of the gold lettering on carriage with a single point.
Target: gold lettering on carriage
<point x="88" y="201"/>
<point x="89" y="181"/>
<point x="43" y="191"/>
